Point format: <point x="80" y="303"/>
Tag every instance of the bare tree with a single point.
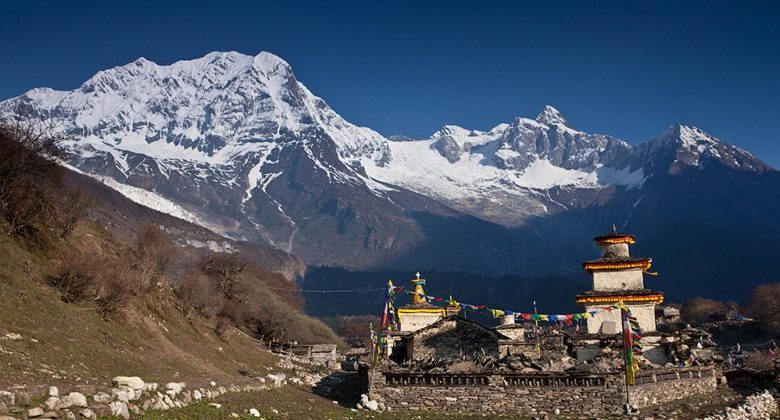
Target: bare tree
<point x="699" y="309"/>
<point x="154" y="251"/>
<point x="765" y="305"/>
<point x="29" y="176"/>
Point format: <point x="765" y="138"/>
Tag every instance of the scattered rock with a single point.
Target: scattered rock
<point x="53" y="403"/>
<point x="215" y="405"/>
<point x="68" y="415"/>
<point x="53" y="391"/>
<point x="87" y="413"/>
<point x="212" y="383"/>
<point x="102" y="397"/>
<point x="254" y="412"/>
<point x="7" y="398"/>
<point x="123" y="394"/>
<point x="276" y="379"/>
<point x="78" y="399"/>
<point x="176" y="387"/>
<point x="119" y="409"/>
<point x="196" y="395"/>
<point x="132" y="382"/>
<point x="35" y="412"/>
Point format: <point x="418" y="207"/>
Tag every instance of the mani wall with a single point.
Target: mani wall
<point x="495" y="393"/>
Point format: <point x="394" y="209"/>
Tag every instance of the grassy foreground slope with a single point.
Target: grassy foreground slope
<point x="72" y="343"/>
<point x="94" y="286"/>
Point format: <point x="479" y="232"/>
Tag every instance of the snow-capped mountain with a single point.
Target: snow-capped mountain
<point x="237" y="144"/>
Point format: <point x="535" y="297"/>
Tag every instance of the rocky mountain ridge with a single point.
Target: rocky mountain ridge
<point x="237" y="144"/>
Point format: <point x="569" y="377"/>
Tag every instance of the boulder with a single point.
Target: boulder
<point x="78" y="399"/>
<point x="196" y="395"/>
<point x="119" y="409"/>
<point x="87" y="413"/>
<point x="53" y="403"/>
<point x="53" y="391"/>
<point x="174" y="388"/>
<point x="102" y="397"/>
<point x="123" y="394"/>
<point x="372" y="405"/>
<point x="35" y="412"/>
<point x="68" y="415"/>
<point x="132" y="382"/>
<point x="8" y="398"/>
<point x="276" y="379"/>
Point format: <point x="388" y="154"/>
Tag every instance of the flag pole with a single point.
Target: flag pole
<point x="537" y="332"/>
<point x="628" y="356"/>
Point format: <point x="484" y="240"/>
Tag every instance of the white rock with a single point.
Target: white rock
<point x="196" y="395"/>
<point x="101" y="397"/>
<point x="372" y="405"/>
<point x="212" y="383"/>
<point x="78" y="399"/>
<point x="123" y="394"/>
<point x="53" y="404"/>
<point x="234" y="415"/>
<point x="35" y="412"/>
<point x="176" y="387"/>
<point x="68" y="415"/>
<point x="87" y="413"/>
<point x="54" y="391"/>
<point x="253" y="412"/>
<point x="215" y="405"/>
<point x="119" y="409"/>
<point x="276" y="379"/>
<point x="132" y="382"/>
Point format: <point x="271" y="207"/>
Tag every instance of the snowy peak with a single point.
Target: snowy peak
<point x="551" y="116"/>
<point x="691" y="146"/>
<point x="454" y="131"/>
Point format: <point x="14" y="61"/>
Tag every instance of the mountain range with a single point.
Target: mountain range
<point x="236" y="144"/>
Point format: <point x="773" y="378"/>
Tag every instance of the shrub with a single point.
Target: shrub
<point x="699" y="309"/>
<point x="76" y="278"/>
<point x="225" y="270"/>
<point x="154" y="250"/>
<point x="105" y="282"/>
<point x="198" y="295"/>
<point x="765" y="306"/>
<point x="29" y="177"/>
<point x="113" y="288"/>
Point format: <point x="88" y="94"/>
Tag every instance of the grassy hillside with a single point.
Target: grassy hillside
<point x="90" y="289"/>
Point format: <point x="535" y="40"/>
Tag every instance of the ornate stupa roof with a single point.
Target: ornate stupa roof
<point x="615" y="237"/>
<point x="418" y="297"/>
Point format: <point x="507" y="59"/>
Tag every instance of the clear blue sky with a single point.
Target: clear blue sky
<point x="623" y="68"/>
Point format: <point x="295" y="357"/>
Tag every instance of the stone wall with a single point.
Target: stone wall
<point x="657" y="387"/>
<point x="761" y="406"/>
<point x="493" y="393"/>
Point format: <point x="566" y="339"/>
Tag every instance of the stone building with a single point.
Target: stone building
<point x="439" y="361"/>
<point x="618" y="277"/>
